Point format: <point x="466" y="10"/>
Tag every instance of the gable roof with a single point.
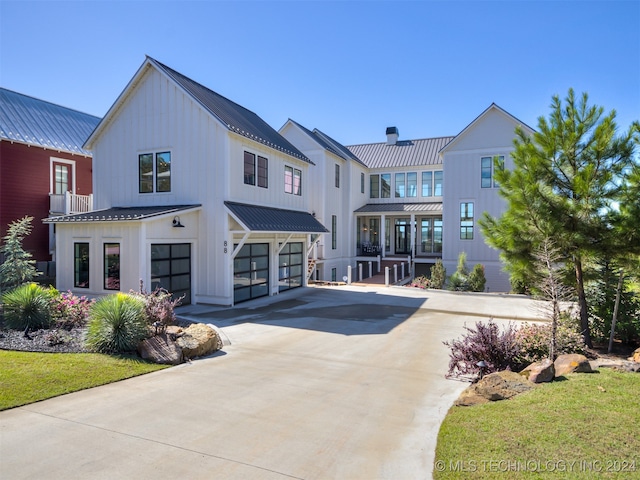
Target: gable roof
<point x="328" y="143"/>
<point x="404" y="153"/>
<point x="35" y="122"/>
<point x="267" y="219"/>
<point x="495" y="107"/>
<point x="234" y="117"/>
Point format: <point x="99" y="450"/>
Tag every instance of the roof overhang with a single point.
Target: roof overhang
<point x="256" y="219"/>
<point x="433" y="208"/>
<point x="124" y="214"/>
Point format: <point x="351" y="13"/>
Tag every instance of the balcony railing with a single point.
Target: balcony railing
<point x="67" y="203"/>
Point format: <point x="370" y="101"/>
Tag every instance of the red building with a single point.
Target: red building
<point x="43" y="168"/>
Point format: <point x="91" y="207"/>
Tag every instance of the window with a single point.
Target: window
<point x="487" y="170"/>
<point x="374" y="186"/>
<point x="81" y="265"/>
<point x="437" y="183"/>
<point x="385" y="184"/>
<point x="431" y="234"/>
<point x="112" y="266"/>
<point x="362" y="183"/>
<point x="426" y="184"/>
<point x="292" y="180"/>
<point x="154" y="176"/>
<point x="337" y="176"/>
<point x="412" y="184"/>
<point x="251" y="173"/>
<point x="334" y="274"/>
<point x="400" y="185"/>
<point x="249" y="168"/>
<point x="61" y="179"/>
<point x="263" y="172"/>
<point x="334" y="233"/>
<point x="466" y="221"/>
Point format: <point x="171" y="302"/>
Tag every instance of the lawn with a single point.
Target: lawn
<point x="27" y="377"/>
<point x="583" y="426"/>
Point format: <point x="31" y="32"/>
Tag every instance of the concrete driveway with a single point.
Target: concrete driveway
<point x="318" y="383"/>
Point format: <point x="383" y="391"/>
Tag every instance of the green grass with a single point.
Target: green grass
<point x="546" y="429"/>
<point x="27" y="377"/>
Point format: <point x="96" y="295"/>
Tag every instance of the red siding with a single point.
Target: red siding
<point x="24" y="189"/>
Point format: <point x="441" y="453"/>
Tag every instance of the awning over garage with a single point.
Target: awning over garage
<point x="266" y="219"/>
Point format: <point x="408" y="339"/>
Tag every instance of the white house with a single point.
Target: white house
<point x="197" y="194"/>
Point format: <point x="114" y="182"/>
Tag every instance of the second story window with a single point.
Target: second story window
<point x="337" y="176"/>
<point x="437" y="183"/>
<point x="154" y="171"/>
<point x="374" y="186"/>
<point x="412" y="184"/>
<point x="385" y="185"/>
<point x="256" y="173"/>
<point x="400" y="193"/>
<point x="466" y="221"/>
<point x="487" y="171"/>
<point x="362" y="183"/>
<point x="292" y="180"/>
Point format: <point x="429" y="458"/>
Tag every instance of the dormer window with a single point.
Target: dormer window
<point x="154" y="176"/>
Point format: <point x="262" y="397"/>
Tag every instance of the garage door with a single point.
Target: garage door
<point x="171" y="269"/>
<point x="251" y="272"/>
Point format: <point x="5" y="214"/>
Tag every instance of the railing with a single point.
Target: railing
<point x="70" y="203"/>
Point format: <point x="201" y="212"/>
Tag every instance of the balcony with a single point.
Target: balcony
<point x="69" y="203"/>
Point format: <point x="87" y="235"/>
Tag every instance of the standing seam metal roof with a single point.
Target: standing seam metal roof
<point x="268" y="219"/>
<point x="237" y="118"/>
<point x="35" y="122"/>
<point x="404" y="153"/>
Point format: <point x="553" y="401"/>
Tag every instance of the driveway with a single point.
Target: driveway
<point x="318" y="383"/>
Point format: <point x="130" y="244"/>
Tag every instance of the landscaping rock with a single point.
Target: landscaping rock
<point x="571" y="363"/>
<point x="635" y="356"/>
<point x="493" y="387"/>
<point x="539" y="372"/>
<point x="160" y="349"/>
<point x="198" y="340"/>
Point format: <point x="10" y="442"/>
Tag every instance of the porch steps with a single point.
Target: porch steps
<point x="310" y="268"/>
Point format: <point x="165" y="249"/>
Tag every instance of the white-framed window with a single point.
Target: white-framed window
<point x="154" y="172"/>
<point x="412" y="184"/>
<point x="256" y="172"/>
<point x="432" y="183"/>
<point x="62" y="176"/>
<point x="337" y="176"/>
<point x="437" y="183"/>
<point x="334" y="232"/>
<point x="487" y="170"/>
<point x="361" y="182"/>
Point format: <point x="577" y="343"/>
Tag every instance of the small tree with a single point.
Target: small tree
<point x="18" y="267"/>
<point x="477" y="280"/>
<point x="459" y="281"/>
<point x="438" y="274"/>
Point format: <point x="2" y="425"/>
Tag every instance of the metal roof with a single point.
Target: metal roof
<point x="434" y="207"/>
<point x="267" y="219"/>
<point x="120" y="214"/>
<point x="35" y="122"/>
<point x="404" y="153"/>
<point x="237" y="118"/>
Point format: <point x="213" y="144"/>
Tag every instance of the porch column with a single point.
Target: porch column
<point x="383" y="228"/>
<point x="413" y="235"/>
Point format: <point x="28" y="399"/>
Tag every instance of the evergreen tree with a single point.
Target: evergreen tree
<point x="18" y="268"/>
<point x="567" y="181"/>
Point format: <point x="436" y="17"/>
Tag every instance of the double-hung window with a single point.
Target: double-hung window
<point x="256" y="172"/>
<point x="487" y="170"/>
<point x="292" y="180"/>
<point x="466" y="221"/>
<point x="154" y="176"/>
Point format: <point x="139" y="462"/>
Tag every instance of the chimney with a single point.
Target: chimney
<point x="392" y="135"/>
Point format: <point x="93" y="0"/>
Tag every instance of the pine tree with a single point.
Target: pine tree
<point x="567" y="180"/>
<point x="18" y="267"/>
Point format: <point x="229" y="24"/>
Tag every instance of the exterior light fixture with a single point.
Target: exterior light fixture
<point x="176" y="222"/>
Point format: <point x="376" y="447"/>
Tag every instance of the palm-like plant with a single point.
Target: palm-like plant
<point x="116" y="324"/>
<point x="27" y="307"/>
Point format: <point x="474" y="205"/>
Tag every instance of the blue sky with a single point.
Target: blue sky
<point x="349" y="68"/>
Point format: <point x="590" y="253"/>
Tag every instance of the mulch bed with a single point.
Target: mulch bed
<point x="45" y="340"/>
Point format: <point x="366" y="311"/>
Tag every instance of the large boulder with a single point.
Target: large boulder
<point x="199" y="339"/>
<point x="571" y="363"/>
<point x="493" y="387"/>
<point x="635" y="356"/>
<point x="539" y="372"/>
<point x="160" y="349"/>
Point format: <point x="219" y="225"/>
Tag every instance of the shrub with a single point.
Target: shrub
<point x="18" y="267"/>
<point x="70" y="311"/>
<point x="477" y="280"/>
<point x="459" y="281"/>
<point x="535" y="340"/>
<point x="159" y="306"/>
<point x="27" y="307"/>
<point x="116" y="324"/>
<point x="601" y="298"/>
<point x="438" y="274"/>
<point x="486" y="342"/>
<point x="421" y="282"/>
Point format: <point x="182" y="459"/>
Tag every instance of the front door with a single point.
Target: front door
<point x="403" y="239"/>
